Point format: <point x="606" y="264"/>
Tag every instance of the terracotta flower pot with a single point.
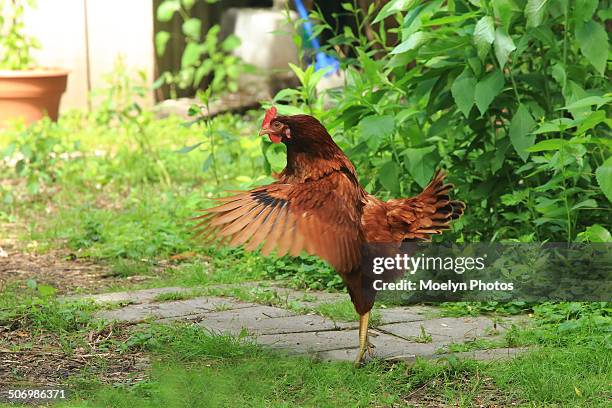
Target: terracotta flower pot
<point x="31" y="94"/>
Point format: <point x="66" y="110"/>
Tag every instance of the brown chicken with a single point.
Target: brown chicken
<point x="318" y="206"/>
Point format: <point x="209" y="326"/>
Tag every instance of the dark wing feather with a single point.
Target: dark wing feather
<point x="319" y="217"/>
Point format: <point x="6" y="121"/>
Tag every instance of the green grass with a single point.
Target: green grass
<point x="423" y="336"/>
<point x="198" y="369"/>
<point x="344" y="311"/>
<point x="172" y="296"/>
<point x="256" y="294"/>
<point x="579" y="376"/>
<point x="459" y="309"/>
<point x="46" y="313"/>
<point x="471" y="345"/>
<point x="195" y="368"/>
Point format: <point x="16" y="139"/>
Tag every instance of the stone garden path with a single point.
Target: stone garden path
<point x="402" y="333"/>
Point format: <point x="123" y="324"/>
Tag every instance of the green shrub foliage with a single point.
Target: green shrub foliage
<point x="511" y="97"/>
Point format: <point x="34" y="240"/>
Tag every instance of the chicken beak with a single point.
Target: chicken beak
<point x="264" y="131"/>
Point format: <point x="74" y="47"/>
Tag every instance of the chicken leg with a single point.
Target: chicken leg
<point x="364" y="344"/>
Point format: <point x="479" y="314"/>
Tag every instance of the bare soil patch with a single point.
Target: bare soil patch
<point x="38" y="358"/>
<point x="58" y="268"/>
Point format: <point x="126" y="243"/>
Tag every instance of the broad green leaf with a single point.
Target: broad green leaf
<point x="191" y="55"/>
<point x="185" y="76"/>
<point x="604" y="178"/>
<point x="503" y="46"/>
<point x="463" y="91"/>
<point x="555" y="125"/>
<point x="590" y="203"/>
<point x="535" y="10"/>
<point x="500" y="154"/>
<point x="388" y="175"/>
<point x="161" y="40"/>
<point x="46" y="290"/>
<point x="415" y="40"/>
<point x="194" y="109"/>
<point x="476" y="64"/>
<point x="520" y="127"/>
<point x="188" y="4"/>
<point x="584" y="10"/>
<point x="595" y="233"/>
<point x="558" y="72"/>
<point x="204" y="69"/>
<point x="192" y="28"/>
<point x="33" y="187"/>
<point x="298" y="72"/>
<point x="369" y="66"/>
<point x="503" y="10"/>
<point x="546" y="145"/>
<point x="286" y="94"/>
<point x="166" y="10"/>
<point x="347" y="6"/>
<point x="487" y="89"/>
<point x="598" y="101"/>
<point x="449" y="19"/>
<point x="421" y="163"/>
<point x="549" y="207"/>
<point x="515" y="198"/>
<point x="393" y="7"/>
<point x="593" y="41"/>
<point x="572" y="93"/>
<point x="276" y="156"/>
<point x="523" y="45"/>
<point x="230" y="43"/>
<point x="591" y="121"/>
<point x="374" y="129"/>
<point x="484" y="35"/>
<point x="604" y="141"/>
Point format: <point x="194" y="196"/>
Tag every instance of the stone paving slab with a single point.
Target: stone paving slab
<point x="398" y="337"/>
<point x="406" y="314"/>
<point x="178" y="308"/>
<point x="427" y="351"/>
<point x="445" y="328"/>
<point x="309" y="298"/>
<point x="136" y="296"/>
<point x="319" y="341"/>
<point x="234" y="322"/>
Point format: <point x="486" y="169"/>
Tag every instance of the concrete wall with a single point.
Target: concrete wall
<point x="112" y="27"/>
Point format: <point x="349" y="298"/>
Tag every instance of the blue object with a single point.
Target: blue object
<point x="322" y="60"/>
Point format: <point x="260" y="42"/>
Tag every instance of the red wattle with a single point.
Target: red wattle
<point x="275" y="138"/>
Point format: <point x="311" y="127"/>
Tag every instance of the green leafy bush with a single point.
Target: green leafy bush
<point x="15" y="45"/>
<point x="37" y="155"/>
<point x="510" y="97"/>
<point x="202" y="58"/>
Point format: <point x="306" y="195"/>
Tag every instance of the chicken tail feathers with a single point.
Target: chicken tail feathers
<point x="430" y="212"/>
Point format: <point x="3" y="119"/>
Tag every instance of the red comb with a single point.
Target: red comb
<point x="270" y="114"/>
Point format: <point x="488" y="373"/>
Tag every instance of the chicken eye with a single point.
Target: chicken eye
<point x="276" y="125"/>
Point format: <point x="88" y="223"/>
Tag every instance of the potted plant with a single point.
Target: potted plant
<point x="25" y="90"/>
